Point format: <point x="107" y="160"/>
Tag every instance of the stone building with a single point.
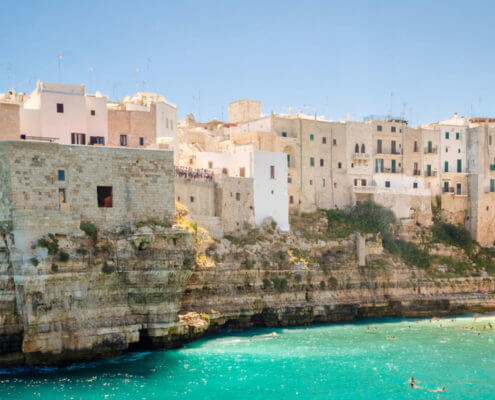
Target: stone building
<point x="244" y="110"/>
<point x="51" y="188"/>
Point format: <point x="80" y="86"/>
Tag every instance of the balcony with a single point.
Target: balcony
<point x="382" y="152"/>
<point x="432" y="150"/>
<point x="360" y="156"/>
<point x="430" y="174"/>
<point x="416" y="172"/>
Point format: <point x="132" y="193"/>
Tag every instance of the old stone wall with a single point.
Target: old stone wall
<point x="10" y="122"/>
<point x="134" y="124"/>
<point x="235" y="202"/>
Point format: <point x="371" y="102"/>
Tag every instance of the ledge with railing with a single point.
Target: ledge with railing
<point x="431" y="150"/>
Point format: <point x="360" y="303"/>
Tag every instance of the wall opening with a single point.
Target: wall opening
<point x="105" y="196"/>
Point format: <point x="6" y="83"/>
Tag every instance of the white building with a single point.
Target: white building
<point x="269" y="173"/>
<point x="66" y="114"/>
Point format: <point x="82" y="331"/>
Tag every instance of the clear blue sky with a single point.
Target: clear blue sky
<point x="336" y="57"/>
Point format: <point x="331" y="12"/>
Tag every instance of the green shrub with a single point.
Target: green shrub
<point x="333" y="283"/>
<point x="50" y="243"/>
<point x="82" y="251"/>
<point x="34" y="261"/>
<point x="453" y="235"/>
<point x="279" y="285"/>
<point x="267" y="284"/>
<point x="205" y="317"/>
<point x="409" y="252"/>
<point x="322" y="285"/>
<point x="63" y="256"/>
<point x="108" y="269"/>
<point x="90" y="229"/>
<point x="54" y="268"/>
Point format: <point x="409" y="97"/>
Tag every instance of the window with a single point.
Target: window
<point x="311" y="182"/>
<point x="191" y="199"/>
<point x="335" y="142"/>
<point x="284" y="134"/>
<point x="363" y="182"/>
<point x="210" y="164"/>
<point x="387" y="183"/>
<point x="446" y="135"/>
<point x="225" y="171"/>
<point x="322" y="162"/>
<point x="339" y="165"/>
<point x="393" y="167"/>
<point x="446" y="186"/>
<point x="93" y="113"/>
<point x="96" y="140"/>
<point x="141" y="141"/>
<point x="62" y="199"/>
<point x="379" y="128"/>
<point x="78" y="138"/>
<point x="311" y="161"/>
<point x="363" y="149"/>
<point x="272" y="171"/>
<point x="104" y="196"/>
<point x="61" y="175"/>
<point x="60" y="108"/>
<point x="415" y="185"/>
<point x="335" y="185"/>
<point x="323" y="182"/>
<point x="356" y="148"/>
<point x="393" y="146"/>
<point x="446" y="167"/>
<point x="288" y="160"/>
<point x="430" y="147"/>
<point x="123" y="140"/>
<point x="459" y="165"/>
<point x="415" y="146"/>
<point x="289" y="179"/>
<point x="458" y="150"/>
<point x="355" y="182"/>
<point x="428" y="170"/>
<point x="392" y="129"/>
<point x="324" y="140"/>
<point x="457" y="135"/>
<point x="446" y="149"/>
<point x="238" y="196"/>
<point x="242" y="172"/>
<point x="379" y="146"/>
<point x="166" y="122"/>
<point x="492" y="185"/>
<point x="458" y="190"/>
<point x="291" y="199"/>
<point x="379" y="165"/>
<point x="311" y="137"/>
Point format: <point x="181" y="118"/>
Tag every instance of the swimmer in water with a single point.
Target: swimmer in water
<point x="442" y="389"/>
<point x="412" y="382"/>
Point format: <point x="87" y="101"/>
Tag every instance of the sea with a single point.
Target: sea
<point x="369" y="359"/>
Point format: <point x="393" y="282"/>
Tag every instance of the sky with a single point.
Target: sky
<point x="423" y="59"/>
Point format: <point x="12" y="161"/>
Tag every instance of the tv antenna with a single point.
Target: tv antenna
<point x="59" y="61"/>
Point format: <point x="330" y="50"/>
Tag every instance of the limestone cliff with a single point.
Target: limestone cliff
<point x="79" y="297"/>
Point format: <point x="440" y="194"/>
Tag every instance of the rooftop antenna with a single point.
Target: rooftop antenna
<point x="391" y="102"/>
<point x="91" y="69"/>
<point x="59" y="60"/>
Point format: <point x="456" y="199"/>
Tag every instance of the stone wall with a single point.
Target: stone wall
<point x="134" y="124"/>
<point x="236" y="203"/>
<point x="10" y="122"/>
<point x="141" y="180"/>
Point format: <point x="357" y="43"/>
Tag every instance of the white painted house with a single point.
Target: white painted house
<point x="269" y="173"/>
<point x="65" y="114"/>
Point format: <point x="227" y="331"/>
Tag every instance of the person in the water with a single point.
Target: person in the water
<point x="442" y="389"/>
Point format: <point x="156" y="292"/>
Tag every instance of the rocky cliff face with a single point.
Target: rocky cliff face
<point x="136" y="288"/>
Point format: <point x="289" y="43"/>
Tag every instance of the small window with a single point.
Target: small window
<point x="242" y="172"/>
<point x="311" y="137"/>
<point x="446" y="167"/>
<point x="141" y="141"/>
<point x="458" y="189"/>
<point x="238" y="196"/>
<point x="62" y="199"/>
<point x="210" y="164"/>
<point x="104" y="196"/>
<point x="323" y="182"/>
<point x="356" y="148"/>
<point x="392" y="129"/>
<point x="123" y="140"/>
<point x="446" y="135"/>
<point x="93" y="113"/>
<point x="339" y="165"/>
<point x="457" y="135"/>
<point x="61" y="175"/>
<point x="289" y="179"/>
<point x="78" y="138"/>
<point x="379" y="128"/>
<point x="415" y="185"/>
<point x="322" y="162"/>
<point x="311" y="181"/>
<point x="96" y="140"/>
<point x="415" y="146"/>
<point x="335" y="142"/>
<point x="225" y="171"/>
<point x="324" y="140"/>
<point x="60" y="108"/>
<point x="387" y="183"/>
<point x="311" y="161"/>
<point x="191" y="199"/>
<point x="284" y="134"/>
<point x="355" y="182"/>
<point x="291" y="199"/>
<point x="272" y="171"/>
<point x="363" y="148"/>
<point x="335" y="185"/>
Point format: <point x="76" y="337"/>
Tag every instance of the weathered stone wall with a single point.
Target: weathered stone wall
<point x="235" y="202"/>
<point x="134" y="124"/>
<point x="141" y="181"/>
<point x="10" y="122"/>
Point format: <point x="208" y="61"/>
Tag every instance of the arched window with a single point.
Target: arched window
<point x="363" y="148"/>
<point x="356" y="148"/>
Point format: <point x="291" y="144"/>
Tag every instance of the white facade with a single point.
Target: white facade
<point x="269" y="173"/>
<point x="58" y="111"/>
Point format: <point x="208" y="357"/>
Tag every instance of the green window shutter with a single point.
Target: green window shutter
<point x="312" y="161"/>
<point x="446" y="135"/>
<point x="492" y="185"/>
<point x="446" y="166"/>
<point x="457" y="135"/>
<point x="311" y="137"/>
<point x="459" y="165"/>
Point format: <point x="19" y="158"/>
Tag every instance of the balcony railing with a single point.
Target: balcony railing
<point x="389" y="153"/>
<point x="432" y="150"/>
<point x="430" y="174"/>
<point x="416" y="172"/>
<point x="360" y="156"/>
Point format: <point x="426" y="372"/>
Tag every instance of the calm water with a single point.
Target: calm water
<point x="326" y="362"/>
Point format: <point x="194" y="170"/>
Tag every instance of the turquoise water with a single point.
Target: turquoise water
<point x="343" y="361"/>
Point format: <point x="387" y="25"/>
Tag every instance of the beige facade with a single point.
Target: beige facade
<point x="10" y="122"/>
<point x="132" y="128"/>
<point x="244" y="110"/>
